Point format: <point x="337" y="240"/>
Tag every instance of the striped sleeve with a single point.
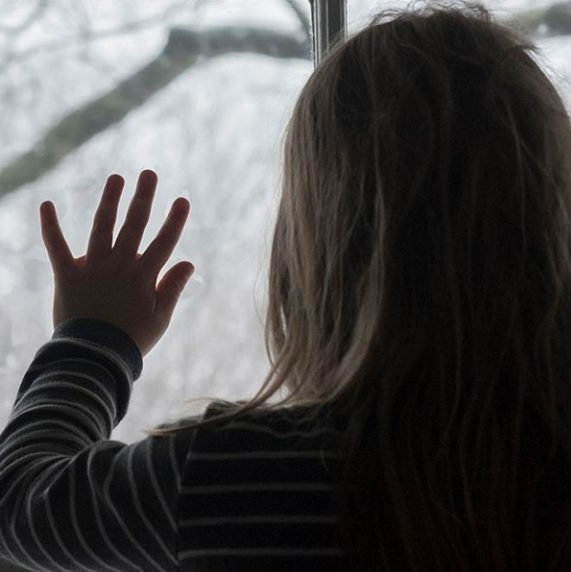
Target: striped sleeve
<point x="70" y="498"/>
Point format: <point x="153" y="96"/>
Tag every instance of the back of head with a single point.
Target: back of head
<point x="420" y="280"/>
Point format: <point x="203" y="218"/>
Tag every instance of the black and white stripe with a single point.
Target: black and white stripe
<point x="252" y="494"/>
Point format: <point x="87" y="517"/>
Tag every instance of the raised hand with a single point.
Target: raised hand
<point x="115" y="283"/>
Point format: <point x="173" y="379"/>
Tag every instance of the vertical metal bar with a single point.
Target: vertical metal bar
<point x="329" y="22"/>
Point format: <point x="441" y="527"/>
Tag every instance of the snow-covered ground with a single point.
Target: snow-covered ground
<point x="213" y="135"/>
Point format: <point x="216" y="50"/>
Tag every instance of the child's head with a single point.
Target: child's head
<point x="420" y="281"/>
<point x="426" y="164"/>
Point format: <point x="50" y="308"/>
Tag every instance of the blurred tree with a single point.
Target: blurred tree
<point x="183" y="49"/>
<point x="552" y="20"/>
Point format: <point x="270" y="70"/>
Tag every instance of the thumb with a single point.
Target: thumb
<point x="171" y="286"/>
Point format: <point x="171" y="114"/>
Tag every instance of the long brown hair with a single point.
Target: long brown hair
<point x="420" y="285"/>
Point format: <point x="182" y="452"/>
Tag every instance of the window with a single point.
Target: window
<point x="208" y="123"/>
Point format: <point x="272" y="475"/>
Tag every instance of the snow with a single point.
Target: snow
<point x="213" y="136"/>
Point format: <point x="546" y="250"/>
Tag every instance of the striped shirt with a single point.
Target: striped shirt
<point x="251" y="494"/>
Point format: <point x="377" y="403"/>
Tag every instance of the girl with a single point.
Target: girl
<point x="419" y="317"/>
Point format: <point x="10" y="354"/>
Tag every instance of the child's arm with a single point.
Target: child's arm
<point x="70" y="498"/>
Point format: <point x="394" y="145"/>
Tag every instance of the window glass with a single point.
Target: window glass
<point x="197" y="91"/>
<point x="200" y="92"/>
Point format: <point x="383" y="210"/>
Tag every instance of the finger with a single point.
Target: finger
<point x="58" y="250"/>
<point x="101" y="237"/>
<point x="138" y="214"/>
<point x="161" y="248"/>
<point x="171" y="287"/>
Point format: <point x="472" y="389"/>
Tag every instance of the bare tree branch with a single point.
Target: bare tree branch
<point x="301" y="16"/>
<point x="65" y="41"/>
<point x="182" y="50"/>
<point x="34" y="15"/>
<point x="553" y="20"/>
<point x="558" y="19"/>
